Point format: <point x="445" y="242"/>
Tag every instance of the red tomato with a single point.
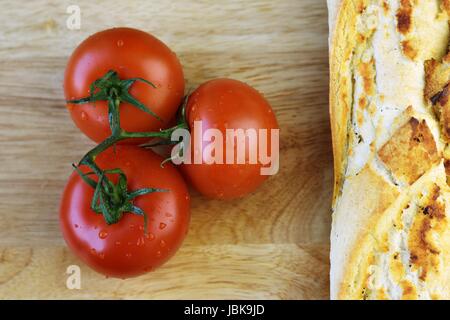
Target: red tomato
<point x="123" y="249"/>
<point x="222" y="104"/>
<point x="131" y="53"/>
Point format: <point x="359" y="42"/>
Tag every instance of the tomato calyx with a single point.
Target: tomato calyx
<point x="114" y="199"/>
<point x="111" y="87"/>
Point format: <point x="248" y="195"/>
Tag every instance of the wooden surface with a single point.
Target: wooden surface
<point x="272" y="244"/>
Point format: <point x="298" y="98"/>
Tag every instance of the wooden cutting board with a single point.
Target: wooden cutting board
<point x="273" y="244"/>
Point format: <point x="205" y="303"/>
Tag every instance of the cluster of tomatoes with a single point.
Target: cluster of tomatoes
<point x="122" y="212"/>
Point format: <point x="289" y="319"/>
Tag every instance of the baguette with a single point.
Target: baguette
<point x="390" y="122"/>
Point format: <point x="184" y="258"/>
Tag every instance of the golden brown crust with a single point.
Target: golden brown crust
<point x="409" y="49"/>
<point x="367" y="72"/>
<point x="445" y="5"/>
<point x="437" y="91"/>
<point x="410" y="152"/>
<point x="425" y="254"/>
<point x="442" y="107"/>
<point x="437" y="75"/>
<point x="340" y="87"/>
<point x="409" y="291"/>
<point x="404" y="16"/>
<point x="386" y="7"/>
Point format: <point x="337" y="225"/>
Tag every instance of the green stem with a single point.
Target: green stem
<point x="112" y="200"/>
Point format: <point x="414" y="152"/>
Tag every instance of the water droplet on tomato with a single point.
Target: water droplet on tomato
<point x="130" y="243"/>
<point x="128" y="255"/>
<point x="162" y="225"/>
<point x="102" y="234"/>
<point x="150" y="236"/>
<point x="75" y="225"/>
<point x="101" y="255"/>
<point x="158" y="254"/>
<point x="140" y="241"/>
<point x="169" y="87"/>
<point x="162" y="243"/>
<point x="168" y="214"/>
<point x="131" y="226"/>
<point x="120" y="43"/>
<point x="93" y="251"/>
<point x="83" y="115"/>
<point x="118" y="243"/>
<point x="128" y="163"/>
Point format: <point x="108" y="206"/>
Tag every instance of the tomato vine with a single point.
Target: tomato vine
<point x="114" y="199"/>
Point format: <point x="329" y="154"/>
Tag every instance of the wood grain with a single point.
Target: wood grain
<point x="271" y="271"/>
<point x="272" y="244"/>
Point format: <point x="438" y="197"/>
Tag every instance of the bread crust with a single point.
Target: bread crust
<point x="406" y="163"/>
<point x="340" y="108"/>
<point x="339" y="97"/>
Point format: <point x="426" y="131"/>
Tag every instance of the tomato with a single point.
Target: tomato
<point x="131" y="53"/>
<point x="223" y="104"/>
<point x="123" y="249"/>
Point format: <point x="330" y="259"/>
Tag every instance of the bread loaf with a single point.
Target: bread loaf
<point x="390" y="120"/>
